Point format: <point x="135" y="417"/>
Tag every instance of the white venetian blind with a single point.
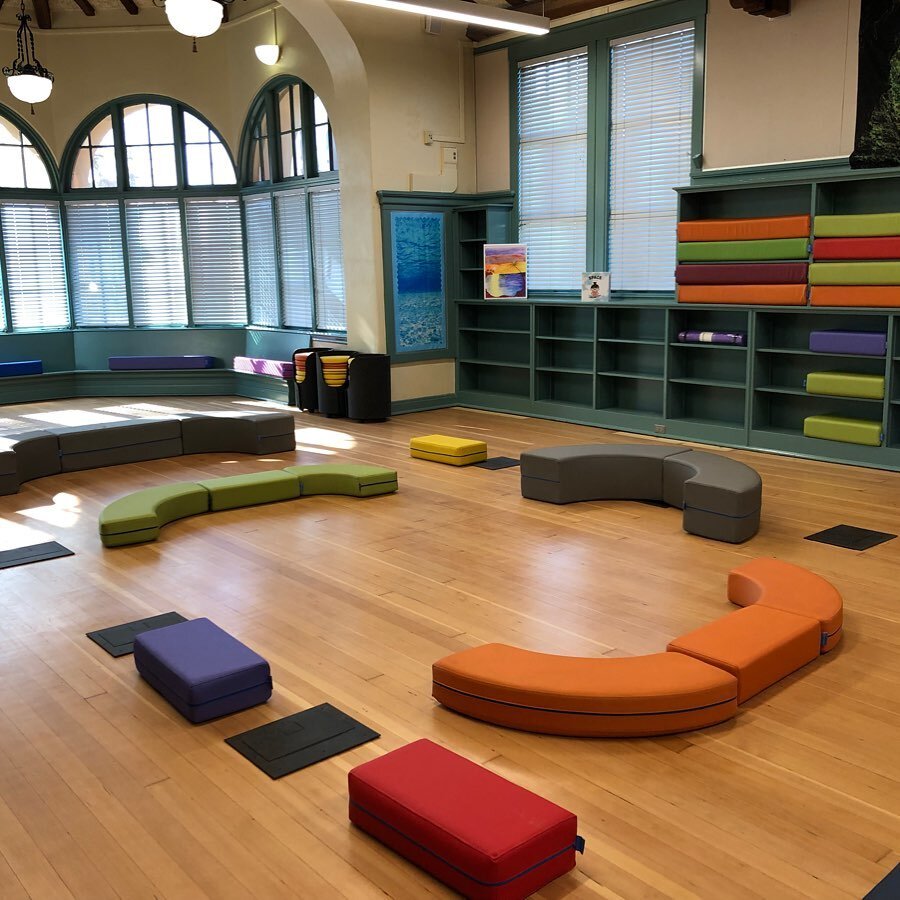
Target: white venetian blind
<point x="216" y="261"/>
<point x="650" y="153"/>
<point x="36" y="274"/>
<point x="552" y="101"/>
<point x="262" y="266"/>
<point x="296" y="269"/>
<point x="97" y="264"/>
<point x="328" y="260"/>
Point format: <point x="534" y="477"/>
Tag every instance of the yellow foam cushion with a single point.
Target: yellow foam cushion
<point x="443" y="445"/>
<point x="449" y="460"/>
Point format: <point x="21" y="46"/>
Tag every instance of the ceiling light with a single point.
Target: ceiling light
<point x="476" y="14"/>
<point x="194" y="18"/>
<point x="28" y="80"/>
<point x="267" y="54"/>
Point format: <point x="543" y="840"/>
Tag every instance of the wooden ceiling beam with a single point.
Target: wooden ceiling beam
<point x="130" y="7"/>
<point x="42" y="14"/>
<point x="85" y="7"/>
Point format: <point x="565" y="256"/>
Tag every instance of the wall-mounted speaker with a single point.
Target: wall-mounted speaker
<point x="770" y="9"/>
<point x="432" y="25"/>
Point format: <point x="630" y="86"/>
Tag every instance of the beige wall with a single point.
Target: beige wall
<point x="492" y="120"/>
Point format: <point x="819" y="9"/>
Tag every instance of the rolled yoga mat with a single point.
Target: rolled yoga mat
<point x="865" y="343"/>
<point x="869" y="225"/>
<point x="866" y="295"/>
<point x="744" y="229"/>
<point x="854" y="273"/>
<point x="747" y="294"/>
<point x="739" y="251"/>
<point x="836" y="428"/>
<point x="737" y="338"/>
<point x="846" y="384"/>
<point x="856" y="248"/>
<point x="741" y="273"/>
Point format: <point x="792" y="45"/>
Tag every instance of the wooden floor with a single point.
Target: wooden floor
<point x="105" y="791"/>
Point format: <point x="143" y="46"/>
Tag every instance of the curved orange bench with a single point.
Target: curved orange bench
<point x="790" y="616"/>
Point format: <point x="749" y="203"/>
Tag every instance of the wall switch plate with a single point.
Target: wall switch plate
<point x="450" y="156"/>
<point x="659" y="429"/>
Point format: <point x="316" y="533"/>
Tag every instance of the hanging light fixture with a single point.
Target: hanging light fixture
<point x="194" y="18"/>
<point x="28" y="80"/>
<point x="269" y="54"/>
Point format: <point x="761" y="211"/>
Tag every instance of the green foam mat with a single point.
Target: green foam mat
<point x="850" y="431"/>
<point x="737" y="251"/>
<point x="847" y="273"/>
<point x="870" y="225"/>
<point x="846" y="384"/>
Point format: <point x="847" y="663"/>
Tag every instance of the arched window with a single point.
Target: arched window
<point x="33" y="283"/>
<point x="153" y="219"/>
<point x="292" y="211"/>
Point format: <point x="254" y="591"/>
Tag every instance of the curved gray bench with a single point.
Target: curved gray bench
<point x="721" y="497"/>
<point x="34" y="454"/>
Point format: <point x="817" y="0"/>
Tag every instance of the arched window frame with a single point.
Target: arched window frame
<point x="45" y="196"/>
<point x="123" y="193"/>
<point x="295" y="202"/>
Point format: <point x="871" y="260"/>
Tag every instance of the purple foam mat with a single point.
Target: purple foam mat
<point x="127" y="363"/>
<point x="737" y="338"/>
<point x="866" y="343"/>
<point x="275" y="367"/>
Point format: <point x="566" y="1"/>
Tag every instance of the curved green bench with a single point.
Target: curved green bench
<point x="138" y="517"/>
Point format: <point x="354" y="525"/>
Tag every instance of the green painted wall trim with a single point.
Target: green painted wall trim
<point x="421" y="404"/>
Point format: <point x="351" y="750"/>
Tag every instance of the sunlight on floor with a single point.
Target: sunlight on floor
<point x="13" y="535"/>
<point x="64" y="513"/>
<point x="72" y="417"/>
<point x="322" y="437"/>
<point x="318" y="450"/>
<point x="141" y="409"/>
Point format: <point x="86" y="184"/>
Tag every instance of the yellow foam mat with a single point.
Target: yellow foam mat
<point x="449" y="460"/>
<point x="444" y="445"/>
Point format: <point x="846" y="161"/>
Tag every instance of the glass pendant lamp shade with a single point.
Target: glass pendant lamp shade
<point x="27" y="79"/>
<point x="30" y="88"/>
<point x="267" y="54"/>
<point x="194" y="18"/>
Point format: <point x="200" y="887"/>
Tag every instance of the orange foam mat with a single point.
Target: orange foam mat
<point x="745" y="294"/>
<point x="744" y="229"/>
<point x="855" y="295"/>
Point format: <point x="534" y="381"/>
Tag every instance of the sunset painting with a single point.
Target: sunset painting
<point x="505" y="271"/>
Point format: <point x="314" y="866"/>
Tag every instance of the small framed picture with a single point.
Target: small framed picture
<point x="595" y="286"/>
<point x="505" y="271"/>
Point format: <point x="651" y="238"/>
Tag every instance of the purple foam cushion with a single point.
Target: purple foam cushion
<point x="126" y="363"/>
<point x="741" y="273"/>
<point x="198" y="662"/>
<point x="275" y="367"/>
<point x="867" y="343"/>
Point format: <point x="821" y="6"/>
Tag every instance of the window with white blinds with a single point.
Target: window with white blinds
<point x="216" y="261"/>
<point x="35" y="267"/>
<point x="328" y="260"/>
<point x="295" y="266"/>
<point x="552" y="126"/>
<point x="262" y="263"/>
<point x="156" y="262"/>
<point x="97" y="264"/>
<point x="650" y="153"/>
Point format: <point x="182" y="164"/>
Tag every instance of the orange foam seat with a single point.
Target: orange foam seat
<point x="757" y="645"/>
<point x="661" y="693"/>
<point x="744" y="229"/>
<point x="745" y="294"/>
<point x="855" y="295"/>
<point x="780" y="585"/>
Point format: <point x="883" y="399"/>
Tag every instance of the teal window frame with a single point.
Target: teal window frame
<point x="123" y="192"/>
<point x="265" y="103"/>
<point x="597" y="34"/>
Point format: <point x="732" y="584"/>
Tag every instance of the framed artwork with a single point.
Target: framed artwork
<point x="419" y="302"/>
<point x="505" y="271"/>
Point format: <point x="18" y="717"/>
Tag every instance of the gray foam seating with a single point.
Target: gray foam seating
<point x="721" y="497"/>
<point x="34" y="454"/>
<point x="258" y="433"/>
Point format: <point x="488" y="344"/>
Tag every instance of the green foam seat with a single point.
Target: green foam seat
<point x="234" y="491"/>
<point x="869" y="225"/>
<point x="851" y="431"/>
<point x="738" y="251"/>
<point x="846" y="384"/>
<point x="137" y="517"/>
<point x="847" y="273"/>
<point x="338" y="478"/>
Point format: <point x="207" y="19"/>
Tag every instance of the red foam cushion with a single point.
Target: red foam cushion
<point x="857" y="248"/>
<point x="480" y="834"/>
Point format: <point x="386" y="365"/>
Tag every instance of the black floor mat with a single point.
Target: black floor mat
<point x="118" y="640"/>
<point x="300" y="740"/>
<point x="498" y="462"/>
<point x="850" y="537"/>
<point x="888" y="888"/>
<point x="33" y="553"/>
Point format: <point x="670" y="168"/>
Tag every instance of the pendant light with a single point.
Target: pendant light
<point x="269" y="54"/>
<point x="28" y="80"/>
<point x="194" y="18"/>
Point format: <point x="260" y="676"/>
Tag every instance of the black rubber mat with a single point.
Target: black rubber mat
<point x="888" y="888"/>
<point x="497" y="462"/>
<point x="300" y="740"/>
<point x="850" y="537"/>
<point x="118" y="640"/>
<point x="22" y="556"/>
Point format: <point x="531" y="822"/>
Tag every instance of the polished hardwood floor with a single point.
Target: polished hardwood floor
<point x="105" y="791"/>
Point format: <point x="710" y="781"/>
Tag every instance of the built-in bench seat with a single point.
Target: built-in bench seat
<point x="137" y="363"/>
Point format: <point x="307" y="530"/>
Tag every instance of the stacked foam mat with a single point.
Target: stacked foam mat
<point x="858" y="385"/>
<point x="758" y="261"/>
<point x="856" y="260"/>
